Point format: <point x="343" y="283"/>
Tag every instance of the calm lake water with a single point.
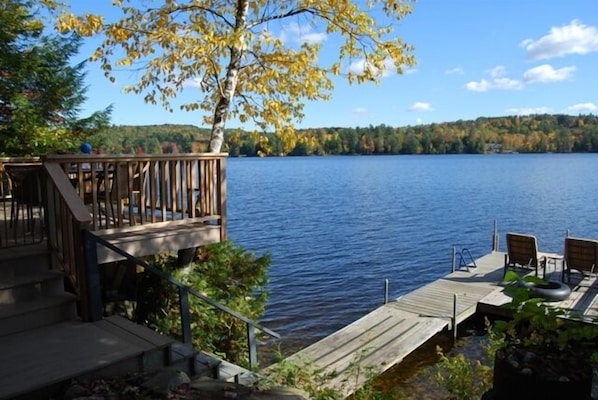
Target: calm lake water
<point x="336" y="227"/>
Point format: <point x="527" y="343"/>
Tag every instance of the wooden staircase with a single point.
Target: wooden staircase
<point x="31" y="295"/>
<point x="44" y="345"/>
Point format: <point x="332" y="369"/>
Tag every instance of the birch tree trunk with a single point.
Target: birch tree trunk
<point x="227" y="91"/>
<point x="232" y="74"/>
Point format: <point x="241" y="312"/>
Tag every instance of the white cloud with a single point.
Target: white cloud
<point x="360" y="111"/>
<point x="313" y="38"/>
<point x="420" y="106"/>
<point x="582" y="108"/>
<point x="409" y="71"/>
<point x="454" y="71"/>
<point x="497" y="80"/>
<point x="528" y="110"/>
<point x="359" y="66"/>
<point x="192" y="83"/>
<point x="301" y="34"/>
<point x="507" y="84"/>
<point x="478" y="86"/>
<point x="497" y="72"/>
<point x="575" y="38"/>
<point x="419" y="121"/>
<point x="546" y="73"/>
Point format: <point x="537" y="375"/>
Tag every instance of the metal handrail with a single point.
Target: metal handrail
<point x="91" y="240"/>
<point x="464" y="252"/>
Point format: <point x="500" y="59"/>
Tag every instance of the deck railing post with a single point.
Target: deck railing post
<point x="251" y="345"/>
<point x="454" y="318"/>
<point x="385" y="291"/>
<point x="92" y="310"/>
<point x="185" y="314"/>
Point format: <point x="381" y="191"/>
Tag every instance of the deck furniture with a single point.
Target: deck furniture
<point x="119" y="188"/>
<point x="522" y="253"/>
<point x="581" y="255"/>
<point x="26" y="199"/>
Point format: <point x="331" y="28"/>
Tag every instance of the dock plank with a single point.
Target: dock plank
<point x="379" y="319"/>
<point x="382" y="358"/>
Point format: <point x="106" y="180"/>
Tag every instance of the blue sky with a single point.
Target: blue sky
<point x="474" y="58"/>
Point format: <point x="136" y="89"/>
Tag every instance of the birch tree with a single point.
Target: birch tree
<point x="238" y="56"/>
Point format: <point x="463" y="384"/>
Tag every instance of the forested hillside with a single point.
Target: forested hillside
<point x="523" y="134"/>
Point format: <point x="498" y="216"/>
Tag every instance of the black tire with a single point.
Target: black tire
<point x="556" y="291"/>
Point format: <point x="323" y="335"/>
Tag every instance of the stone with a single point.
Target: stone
<point x="168" y="381"/>
<point x="76" y="391"/>
<point x="512" y="360"/>
<point x="529" y="357"/>
<point x="280" y="393"/>
<point x="527" y="371"/>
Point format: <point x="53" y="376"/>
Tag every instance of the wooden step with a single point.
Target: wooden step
<point x="23" y="260"/>
<point x="37" y="363"/>
<point x="45" y="310"/>
<point x="19" y="288"/>
<point x="224" y="370"/>
<point x="184" y="357"/>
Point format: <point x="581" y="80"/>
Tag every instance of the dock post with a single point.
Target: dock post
<point x="454" y="318"/>
<point x="454" y="256"/>
<point x="567" y="233"/>
<point x="385" y="291"/>
<point x="495" y="239"/>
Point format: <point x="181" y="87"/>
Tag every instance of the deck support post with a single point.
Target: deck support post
<point x="454" y="257"/>
<point x="385" y="291"/>
<point x="185" y="315"/>
<point x="454" y="318"/>
<point x="495" y="238"/>
<point x="252" y="345"/>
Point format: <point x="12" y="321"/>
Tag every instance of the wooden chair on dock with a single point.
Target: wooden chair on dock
<point x="581" y="255"/>
<point x="522" y="252"/>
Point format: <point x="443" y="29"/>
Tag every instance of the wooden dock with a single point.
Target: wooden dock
<point x="388" y="334"/>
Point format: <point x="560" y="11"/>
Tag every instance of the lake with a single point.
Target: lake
<point x="337" y="227"/>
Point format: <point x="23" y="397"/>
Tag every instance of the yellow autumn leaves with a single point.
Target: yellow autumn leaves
<point x="239" y="52"/>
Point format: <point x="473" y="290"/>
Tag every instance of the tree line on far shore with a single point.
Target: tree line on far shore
<point x="523" y="134"/>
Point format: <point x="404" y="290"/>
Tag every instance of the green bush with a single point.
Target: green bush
<point x="464" y="379"/>
<point x="223" y="272"/>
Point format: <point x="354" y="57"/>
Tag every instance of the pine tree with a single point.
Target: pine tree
<point x="41" y="92"/>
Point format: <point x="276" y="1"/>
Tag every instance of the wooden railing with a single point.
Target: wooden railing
<point x="67" y="218"/>
<point x="105" y="192"/>
<point x="124" y="191"/>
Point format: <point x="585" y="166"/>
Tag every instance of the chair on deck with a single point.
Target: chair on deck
<point x="522" y="252"/>
<point x="26" y="193"/>
<point x="581" y="255"/>
<point x="117" y="189"/>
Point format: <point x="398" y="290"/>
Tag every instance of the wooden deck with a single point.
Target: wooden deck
<point x="56" y="353"/>
<point x="143" y="240"/>
<point x="385" y="336"/>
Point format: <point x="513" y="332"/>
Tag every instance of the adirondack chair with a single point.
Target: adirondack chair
<point x="522" y="252"/>
<point x="581" y="255"/>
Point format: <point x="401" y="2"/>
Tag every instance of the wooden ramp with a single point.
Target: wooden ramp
<point x="388" y="334"/>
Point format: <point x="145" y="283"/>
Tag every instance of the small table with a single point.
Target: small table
<point x="550" y="258"/>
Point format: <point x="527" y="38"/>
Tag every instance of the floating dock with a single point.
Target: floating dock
<point x="388" y="334"/>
